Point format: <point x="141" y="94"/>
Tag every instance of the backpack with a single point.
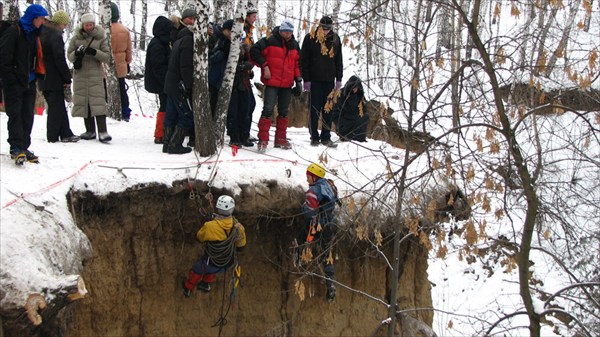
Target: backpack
<point x="335" y="192"/>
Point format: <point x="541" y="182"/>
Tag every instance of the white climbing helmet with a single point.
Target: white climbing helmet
<point x="225" y="205"/>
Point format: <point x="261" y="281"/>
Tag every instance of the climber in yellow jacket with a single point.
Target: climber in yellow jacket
<point x="223" y="236"/>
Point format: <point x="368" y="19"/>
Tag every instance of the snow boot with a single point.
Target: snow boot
<point x="90" y="129"/>
<point x="158" y="130"/>
<point x="234" y="140"/>
<point x="103" y="135"/>
<point x="281" y="134"/>
<point x="18" y="156"/>
<point x="31" y="157"/>
<point x="264" y="124"/>
<point x="167" y="134"/>
<point x="330" y="293"/>
<point x="126" y="114"/>
<point x="176" y="142"/>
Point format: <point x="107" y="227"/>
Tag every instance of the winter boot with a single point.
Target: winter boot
<point x="192" y="139"/>
<point x="31" y="157"/>
<point x="234" y="140"/>
<point x="90" y="129"/>
<point x="245" y="141"/>
<point x="103" y="135"/>
<point x="190" y="283"/>
<point x="281" y="134"/>
<point x="18" y="156"/>
<point x="167" y="134"/>
<point x="264" y="124"/>
<point x="176" y="142"/>
<point x="204" y="287"/>
<point x="330" y="293"/>
<point x="126" y="114"/>
<point x="158" y="130"/>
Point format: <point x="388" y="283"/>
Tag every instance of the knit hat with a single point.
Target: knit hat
<point x="228" y="24"/>
<point x="326" y="22"/>
<point x="114" y="12"/>
<point x="88" y="18"/>
<point x="189" y="12"/>
<point x="61" y="18"/>
<point x="286" y="26"/>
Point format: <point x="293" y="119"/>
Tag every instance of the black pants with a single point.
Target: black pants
<point x="318" y="97"/>
<point x="57" y="126"/>
<point x="19" y="103"/>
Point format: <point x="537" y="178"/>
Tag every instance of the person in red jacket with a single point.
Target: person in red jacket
<point x="278" y="57"/>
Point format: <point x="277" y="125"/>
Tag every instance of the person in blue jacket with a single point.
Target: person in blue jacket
<point x="321" y="199"/>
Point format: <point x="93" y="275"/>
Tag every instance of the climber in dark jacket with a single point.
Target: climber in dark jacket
<point x="157" y="61"/>
<point x="350" y="112"/>
<point x="318" y="208"/>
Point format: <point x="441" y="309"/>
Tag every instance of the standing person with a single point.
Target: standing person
<point x="321" y="199"/>
<point x="223" y="236"/>
<point x="350" y="112"/>
<point x="88" y="49"/>
<point x="20" y="48"/>
<point x="121" y="50"/>
<point x="322" y="65"/>
<point x="251" y="14"/>
<point x="57" y="79"/>
<point x="157" y="61"/>
<point x="179" y="120"/>
<point x="278" y="56"/>
<point x="238" y="103"/>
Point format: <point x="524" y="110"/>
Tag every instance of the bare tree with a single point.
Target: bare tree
<point x="112" y="83"/>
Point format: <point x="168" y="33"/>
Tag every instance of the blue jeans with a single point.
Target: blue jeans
<point x="283" y="96"/>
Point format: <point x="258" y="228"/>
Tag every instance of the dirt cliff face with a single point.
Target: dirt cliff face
<point x="144" y="244"/>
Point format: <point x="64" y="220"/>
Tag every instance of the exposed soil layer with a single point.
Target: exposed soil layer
<point x="143" y="246"/>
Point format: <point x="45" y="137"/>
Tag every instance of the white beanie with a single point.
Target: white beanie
<point x="286" y="26"/>
<point x="88" y="18"/>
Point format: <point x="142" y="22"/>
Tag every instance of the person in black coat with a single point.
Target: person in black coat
<point x="157" y="62"/>
<point x="57" y="79"/>
<point x="179" y="120"/>
<point x="322" y="71"/>
<point x="18" y="70"/>
<point x="238" y="102"/>
<point x="350" y="113"/>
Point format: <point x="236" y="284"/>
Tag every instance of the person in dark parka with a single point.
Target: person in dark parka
<point x="179" y="120"/>
<point x="350" y="112"/>
<point x="57" y="79"/>
<point x="18" y="50"/>
<point x="322" y="71"/>
<point x="157" y="62"/>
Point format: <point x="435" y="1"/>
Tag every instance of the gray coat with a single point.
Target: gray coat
<point x="88" y="82"/>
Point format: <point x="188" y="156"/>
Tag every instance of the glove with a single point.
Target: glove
<point x="338" y="85"/>
<point x="307" y="86"/>
<point x="90" y="51"/>
<point x="297" y="90"/>
<point x="80" y="51"/>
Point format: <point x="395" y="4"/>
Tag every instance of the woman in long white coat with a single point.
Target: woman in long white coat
<point x="88" y="50"/>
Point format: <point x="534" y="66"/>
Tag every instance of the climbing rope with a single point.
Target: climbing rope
<point x="235" y="281"/>
<point x="221" y="253"/>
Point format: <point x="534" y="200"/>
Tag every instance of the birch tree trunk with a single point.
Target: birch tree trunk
<point x="13" y="10"/>
<point x="83" y="7"/>
<point x="143" y="30"/>
<point x="270" y="16"/>
<point x="135" y="34"/>
<point x="561" y="49"/>
<point x="230" y="69"/>
<point x="206" y="144"/>
<point x="112" y="83"/>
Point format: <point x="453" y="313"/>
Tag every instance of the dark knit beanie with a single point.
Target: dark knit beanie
<point x="114" y="12"/>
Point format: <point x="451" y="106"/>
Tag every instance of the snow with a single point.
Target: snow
<point x="41" y="247"/>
